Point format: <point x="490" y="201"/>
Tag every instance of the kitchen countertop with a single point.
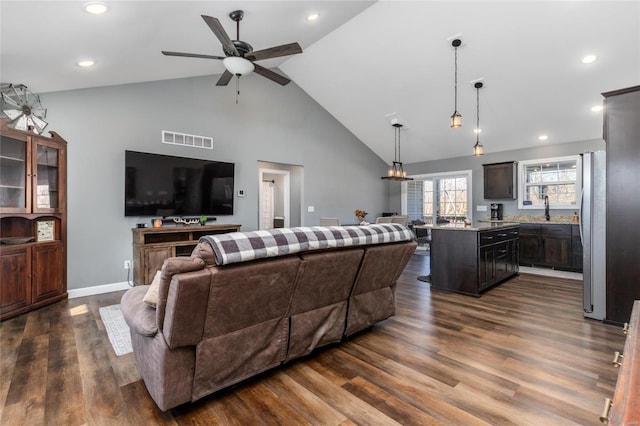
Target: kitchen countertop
<point x="557" y="220"/>
<point x="475" y="226"/>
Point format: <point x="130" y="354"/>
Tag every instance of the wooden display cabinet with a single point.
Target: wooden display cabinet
<point x="33" y="220"/>
<point x="151" y="246"/>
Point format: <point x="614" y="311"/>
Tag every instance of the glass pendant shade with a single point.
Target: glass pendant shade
<point x="478" y="150"/>
<point x="237" y="65"/>
<point x="456" y="120"/>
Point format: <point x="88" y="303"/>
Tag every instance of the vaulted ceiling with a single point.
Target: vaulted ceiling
<point x="363" y="61"/>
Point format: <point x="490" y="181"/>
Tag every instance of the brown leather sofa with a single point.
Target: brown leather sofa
<point x="215" y="326"/>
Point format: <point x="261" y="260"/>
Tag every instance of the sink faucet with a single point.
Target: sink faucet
<point x="546" y="208"/>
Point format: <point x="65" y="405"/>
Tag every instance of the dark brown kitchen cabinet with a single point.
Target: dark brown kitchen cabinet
<point x="548" y="245"/>
<point x="469" y="261"/>
<point x="530" y="245"/>
<point x="500" y="181"/>
<point x="622" y="136"/>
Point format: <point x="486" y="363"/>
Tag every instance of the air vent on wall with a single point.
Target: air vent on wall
<point x="184" y="139"/>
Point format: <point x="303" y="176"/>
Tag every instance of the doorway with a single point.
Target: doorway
<point x="274" y="198"/>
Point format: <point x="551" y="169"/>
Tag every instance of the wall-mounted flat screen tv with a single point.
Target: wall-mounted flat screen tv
<point x="167" y="186"/>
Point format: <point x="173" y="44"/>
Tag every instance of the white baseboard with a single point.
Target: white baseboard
<point x="98" y="289"/>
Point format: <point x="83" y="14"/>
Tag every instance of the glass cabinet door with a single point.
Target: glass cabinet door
<point x="46" y="165"/>
<point x="13" y="175"/>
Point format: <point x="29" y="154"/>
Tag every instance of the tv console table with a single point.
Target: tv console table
<point x="151" y="246"/>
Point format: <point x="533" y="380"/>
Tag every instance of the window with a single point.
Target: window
<point x="558" y="178"/>
<point x="440" y="197"/>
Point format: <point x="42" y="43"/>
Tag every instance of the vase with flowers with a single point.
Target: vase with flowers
<point x="360" y="214"/>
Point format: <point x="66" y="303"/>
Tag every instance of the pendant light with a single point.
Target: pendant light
<point x="396" y="172"/>
<point x="456" y="118"/>
<point x="478" y="149"/>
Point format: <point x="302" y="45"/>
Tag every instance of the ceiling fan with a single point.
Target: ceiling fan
<point x="240" y="57"/>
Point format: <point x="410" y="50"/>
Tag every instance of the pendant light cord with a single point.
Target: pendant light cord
<point x="477" y="114"/>
<point x="455" y="79"/>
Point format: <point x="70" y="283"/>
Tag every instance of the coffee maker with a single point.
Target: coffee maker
<point x="496" y="211"/>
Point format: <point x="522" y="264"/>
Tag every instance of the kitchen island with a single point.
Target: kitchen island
<point x="469" y="259"/>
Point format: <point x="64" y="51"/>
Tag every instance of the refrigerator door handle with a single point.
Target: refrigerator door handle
<point x="581" y="223"/>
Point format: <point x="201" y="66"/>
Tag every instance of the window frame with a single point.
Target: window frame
<point x="442" y="175"/>
<point x="522" y="183"/>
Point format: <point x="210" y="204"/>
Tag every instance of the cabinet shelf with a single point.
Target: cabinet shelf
<point x="9" y="160"/>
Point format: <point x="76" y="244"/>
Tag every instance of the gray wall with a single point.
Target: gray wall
<point x="475" y="164"/>
<point x="271" y="123"/>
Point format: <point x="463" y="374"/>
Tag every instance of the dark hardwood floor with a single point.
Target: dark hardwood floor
<point x="521" y="354"/>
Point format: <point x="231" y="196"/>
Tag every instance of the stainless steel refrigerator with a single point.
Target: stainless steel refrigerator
<point x="593" y="233"/>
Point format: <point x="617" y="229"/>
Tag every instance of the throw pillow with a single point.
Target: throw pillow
<point x="151" y="298"/>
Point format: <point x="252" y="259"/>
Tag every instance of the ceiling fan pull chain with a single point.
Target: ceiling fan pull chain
<point x="237" y="87"/>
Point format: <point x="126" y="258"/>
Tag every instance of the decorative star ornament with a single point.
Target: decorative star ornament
<point x="23" y="109"/>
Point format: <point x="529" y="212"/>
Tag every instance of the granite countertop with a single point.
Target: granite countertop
<point x="555" y="220"/>
<point x="475" y="226"/>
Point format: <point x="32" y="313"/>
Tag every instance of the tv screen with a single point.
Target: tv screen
<point x="163" y="185"/>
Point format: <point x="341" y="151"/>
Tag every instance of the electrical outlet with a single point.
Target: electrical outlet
<point x="127" y="264"/>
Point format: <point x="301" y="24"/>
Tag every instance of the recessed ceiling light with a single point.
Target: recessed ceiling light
<point x="597" y="108"/>
<point x="96" y="7"/>
<point x="589" y="59"/>
<point x="543" y="137"/>
<point x="313" y="17"/>
<point x="86" y="63"/>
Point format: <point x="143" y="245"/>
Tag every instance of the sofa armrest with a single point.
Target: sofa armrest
<point x="186" y="308"/>
<point x="140" y="317"/>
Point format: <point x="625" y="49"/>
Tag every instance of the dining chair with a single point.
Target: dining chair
<point x="385" y="219"/>
<point x="329" y="221"/>
<point x="403" y="219"/>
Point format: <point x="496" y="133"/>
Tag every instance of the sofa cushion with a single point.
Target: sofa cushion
<point x="140" y="317"/>
<point x="151" y="297"/>
<point x="244" y="246"/>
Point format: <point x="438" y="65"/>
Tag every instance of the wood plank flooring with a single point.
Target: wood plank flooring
<point x="522" y="354"/>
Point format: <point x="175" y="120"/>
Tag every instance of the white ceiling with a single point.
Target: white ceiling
<point x="362" y="60"/>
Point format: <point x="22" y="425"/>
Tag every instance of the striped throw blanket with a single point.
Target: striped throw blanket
<point x="243" y="246"/>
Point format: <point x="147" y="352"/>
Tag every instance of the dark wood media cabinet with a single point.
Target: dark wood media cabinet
<point x="151" y="246"/>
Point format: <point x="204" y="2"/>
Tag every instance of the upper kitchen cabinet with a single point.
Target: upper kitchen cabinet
<point x="622" y="135"/>
<point x="500" y="181"/>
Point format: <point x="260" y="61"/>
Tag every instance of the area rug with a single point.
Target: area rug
<point x="117" y="329"/>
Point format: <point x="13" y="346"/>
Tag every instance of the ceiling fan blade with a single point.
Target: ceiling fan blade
<point x="225" y="78"/>
<point x="274" y="52"/>
<point x="191" y="55"/>
<point x="275" y="77"/>
<point x="219" y="31"/>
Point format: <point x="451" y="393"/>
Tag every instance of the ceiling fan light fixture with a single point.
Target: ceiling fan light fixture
<point x="238" y="66"/>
